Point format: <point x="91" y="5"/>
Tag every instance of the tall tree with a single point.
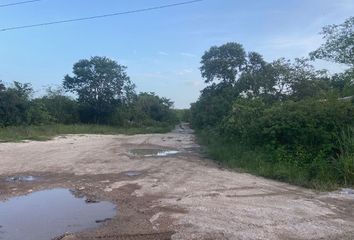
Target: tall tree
<point x="339" y="43"/>
<point x="2" y="86"/>
<point x="254" y="80"/>
<point x="223" y="63"/>
<point x="339" y="48"/>
<point x="99" y="83"/>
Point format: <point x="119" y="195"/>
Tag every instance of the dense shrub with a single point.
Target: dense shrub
<point x="284" y="119"/>
<point x="311" y="124"/>
<point x="213" y="105"/>
<point x="311" y="138"/>
<point x="15" y="104"/>
<point x="61" y="108"/>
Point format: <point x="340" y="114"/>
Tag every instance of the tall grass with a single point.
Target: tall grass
<point x="46" y="132"/>
<point x="345" y="159"/>
<point x="278" y="164"/>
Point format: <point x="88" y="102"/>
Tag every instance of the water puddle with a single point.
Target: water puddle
<point x="347" y="191"/>
<point x="132" y="173"/>
<point x="154" y="152"/>
<point x="47" y="214"/>
<point x="18" y="179"/>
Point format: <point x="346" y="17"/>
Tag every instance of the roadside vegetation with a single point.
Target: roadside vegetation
<point x="101" y="99"/>
<point x="283" y="119"/>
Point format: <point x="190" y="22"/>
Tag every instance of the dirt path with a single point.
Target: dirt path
<point x="181" y="196"/>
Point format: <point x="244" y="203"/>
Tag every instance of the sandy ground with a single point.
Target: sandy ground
<point x="182" y="196"/>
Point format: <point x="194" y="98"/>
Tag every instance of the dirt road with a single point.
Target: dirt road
<point x="177" y="196"/>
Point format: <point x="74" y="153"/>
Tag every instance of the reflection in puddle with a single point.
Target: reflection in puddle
<point x="21" y="179"/>
<point x="47" y="214"/>
<point x="154" y="152"/>
<point x="132" y="173"/>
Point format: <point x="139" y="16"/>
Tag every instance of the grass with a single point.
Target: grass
<point x="46" y="132"/>
<point x="319" y="175"/>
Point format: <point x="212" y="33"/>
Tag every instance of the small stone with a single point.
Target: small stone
<point x="91" y="201"/>
<point x="108" y="189"/>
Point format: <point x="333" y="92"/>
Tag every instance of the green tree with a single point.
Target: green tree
<point x="151" y="108"/>
<point x="223" y="63"/>
<point x="255" y="79"/>
<point x="15" y="104"/>
<point x="339" y="43"/>
<point x="99" y="83"/>
<point x="62" y="108"/>
<point x="2" y="86"/>
<point x="214" y="103"/>
<point x="339" y="48"/>
<point x="306" y="81"/>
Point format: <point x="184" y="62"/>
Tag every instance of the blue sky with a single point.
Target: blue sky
<point x="162" y="49"/>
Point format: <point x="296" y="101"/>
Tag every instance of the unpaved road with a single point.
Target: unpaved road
<point x="183" y="196"/>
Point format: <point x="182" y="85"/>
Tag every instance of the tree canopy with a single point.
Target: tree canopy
<point x="223" y="63"/>
<point x="339" y="43"/>
<point x="99" y="83"/>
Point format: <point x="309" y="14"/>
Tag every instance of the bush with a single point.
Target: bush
<point x="213" y="105"/>
<point x="14" y="104"/>
<point x="61" y="108"/>
<point x="309" y="124"/>
<point x="305" y="142"/>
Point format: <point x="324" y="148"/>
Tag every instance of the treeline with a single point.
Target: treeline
<point x="282" y="119"/>
<point x="102" y="93"/>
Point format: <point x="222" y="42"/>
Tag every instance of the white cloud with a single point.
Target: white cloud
<point x="344" y="4"/>
<point x="163" y="53"/>
<point x="194" y="83"/>
<point x="185" y="72"/>
<point x="297" y="46"/>
<point x="150" y="75"/>
<point x="304" y="44"/>
<point x="185" y="54"/>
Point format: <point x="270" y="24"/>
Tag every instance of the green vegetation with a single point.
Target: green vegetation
<point x="183" y="115"/>
<point x="106" y="103"/>
<point x="284" y="119"/>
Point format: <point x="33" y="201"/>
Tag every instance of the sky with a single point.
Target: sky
<point x="162" y="49"/>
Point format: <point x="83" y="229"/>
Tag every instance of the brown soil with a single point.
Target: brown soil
<point x="182" y="196"/>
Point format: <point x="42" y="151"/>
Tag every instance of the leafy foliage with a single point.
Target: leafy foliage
<point x="339" y="43"/>
<point x="61" y="108"/>
<point x="99" y="84"/>
<point x="150" y="106"/>
<point x="223" y="63"/>
<point x="105" y="95"/>
<point x="283" y="119"/>
<point x="14" y="104"/>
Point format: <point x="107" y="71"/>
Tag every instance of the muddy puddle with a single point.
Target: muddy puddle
<point x="50" y="213"/>
<point x="154" y="152"/>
